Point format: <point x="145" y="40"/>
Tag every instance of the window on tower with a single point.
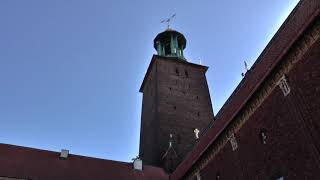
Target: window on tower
<point x="167" y="49"/>
<point x="177" y="71"/>
<point x="186" y="73"/>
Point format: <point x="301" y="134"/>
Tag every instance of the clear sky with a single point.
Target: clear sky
<point x="70" y="70"/>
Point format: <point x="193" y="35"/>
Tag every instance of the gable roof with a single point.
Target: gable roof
<point x="28" y="163"/>
<point x="297" y="22"/>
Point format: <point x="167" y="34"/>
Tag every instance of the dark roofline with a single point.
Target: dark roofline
<point x="305" y="15"/>
<point x="153" y="59"/>
<point x="30" y="163"/>
<point x="36" y="150"/>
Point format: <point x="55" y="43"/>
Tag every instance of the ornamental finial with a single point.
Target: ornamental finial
<point x="168" y="20"/>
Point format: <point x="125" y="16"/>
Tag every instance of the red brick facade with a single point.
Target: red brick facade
<point x="277" y="135"/>
<point x="176" y="100"/>
<point x="292" y="131"/>
<point x="268" y="128"/>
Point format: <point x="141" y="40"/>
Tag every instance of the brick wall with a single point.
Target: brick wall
<point x="148" y="136"/>
<point x="182" y="103"/>
<point x="291" y="124"/>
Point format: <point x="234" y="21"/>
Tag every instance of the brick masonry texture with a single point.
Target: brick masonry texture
<point x="175" y="101"/>
<point x="292" y="129"/>
<point x="291" y="123"/>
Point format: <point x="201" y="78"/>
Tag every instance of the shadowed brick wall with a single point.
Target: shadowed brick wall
<point x="175" y="101"/>
<point x="292" y="127"/>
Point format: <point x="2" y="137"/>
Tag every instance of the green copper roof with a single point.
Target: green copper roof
<point x="170" y="43"/>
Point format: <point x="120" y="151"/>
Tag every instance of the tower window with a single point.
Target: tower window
<point x="167" y="49"/>
<point x="174" y="107"/>
<point x="186" y="73"/>
<point x="177" y="71"/>
<point x="175" y="51"/>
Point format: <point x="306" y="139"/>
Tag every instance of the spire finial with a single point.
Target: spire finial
<point x="168" y="20"/>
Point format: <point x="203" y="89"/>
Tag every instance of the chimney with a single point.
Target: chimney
<point x="137" y="164"/>
<point x="64" y="153"/>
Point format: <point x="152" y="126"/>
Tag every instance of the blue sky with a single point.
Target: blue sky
<point x="70" y="70"/>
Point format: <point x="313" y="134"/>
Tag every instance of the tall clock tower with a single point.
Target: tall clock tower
<point x="176" y="103"/>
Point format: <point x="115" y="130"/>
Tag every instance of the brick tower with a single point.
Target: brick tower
<point x="176" y="103"/>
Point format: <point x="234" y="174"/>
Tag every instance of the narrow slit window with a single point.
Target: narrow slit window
<point x="167" y="49"/>
<point x="177" y="71"/>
